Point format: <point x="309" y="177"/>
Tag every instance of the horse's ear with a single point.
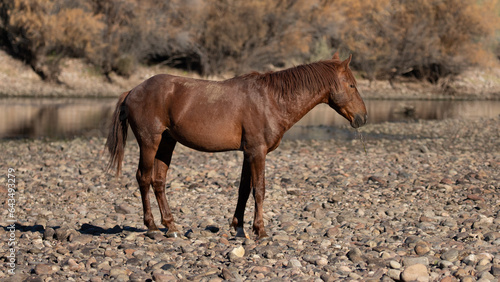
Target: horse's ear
<point x="336" y="56"/>
<point x="345" y="63"/>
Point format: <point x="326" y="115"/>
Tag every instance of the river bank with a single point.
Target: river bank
<point x="421" y="203"/>
<point x="81" y="80"/>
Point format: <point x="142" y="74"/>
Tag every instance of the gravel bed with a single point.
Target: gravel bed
<point x="421" y="204"/>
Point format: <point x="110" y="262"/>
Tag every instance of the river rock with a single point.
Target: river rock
<point x="495" y="270"/>
<point x="45" y="269"/>
<point x="450" y="255"/>
<point x="354" y="228"/>
<point x="238" y="251"/>
<point x="422" y="248"/>
<point x="312" y="207"/>
<point x="125" y="209"/>
<point x="294" y="263"/>
<point x="415" y="272"/>
<point x="470" y="259"/>
<point x="394" y="264"/>
<point x="394" y="274"/>
<point x="409" y="261"/>
<point x="355" y="255"/>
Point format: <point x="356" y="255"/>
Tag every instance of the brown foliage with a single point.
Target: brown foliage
<point x="43" y="32"/>
<point x="424" y="38"/>
<point x="119" y="25"/>
<point x="225" y="35"/>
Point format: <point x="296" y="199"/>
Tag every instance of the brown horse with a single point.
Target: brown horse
<point x="249" y="113"/>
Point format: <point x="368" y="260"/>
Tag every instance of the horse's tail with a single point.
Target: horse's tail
<point x="117" y="136"/>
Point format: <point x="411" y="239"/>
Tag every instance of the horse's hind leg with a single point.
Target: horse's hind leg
<point x="144" y="178"/>
<point x="161" y="164"/>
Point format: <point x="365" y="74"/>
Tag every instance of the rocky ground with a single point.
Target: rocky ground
<point x="421" y="204"/>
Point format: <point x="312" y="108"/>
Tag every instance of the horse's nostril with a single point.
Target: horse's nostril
<point x="358" y="121"/>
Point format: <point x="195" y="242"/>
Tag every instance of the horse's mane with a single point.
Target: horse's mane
<point x="314" y="77"/>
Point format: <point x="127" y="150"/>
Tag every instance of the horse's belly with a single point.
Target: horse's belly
<point x="208" y="138"/>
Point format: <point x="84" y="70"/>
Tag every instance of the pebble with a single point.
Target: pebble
<point x="125" y="209"/>
<point x="355" y="255"/>
<point x="422" y="248"/>
<point x="394" y="274"/>
<point x="332" y="232"/>
<point x="355" y="276"/>
<point x="45" y="269"/>
<point x="312" y="207"/>
<point x="450" y="255"/>
<point x="486" y="276"/>
<point x="495" y="270"/>
<point x="158" y="276"/>
<point x="491" y="236"/>
<point x="409" y="261"/>
<point x="470" y="259"/>
<point x="117" y="271"/>
<point x="239" y="251"/>
<point x="394" y="264"/>
<point x="321" y="262"/>
<point x="331" y="211"/>
<point x="294" y="263"/>
<point x="415" y="272"/>
<point x="445" y="264"/>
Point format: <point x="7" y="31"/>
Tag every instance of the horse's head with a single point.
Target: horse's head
<point x="345" y="98"/>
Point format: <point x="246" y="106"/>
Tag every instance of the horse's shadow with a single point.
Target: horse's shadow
<point x="87" y="229"/>
<point x="97" y="230"/>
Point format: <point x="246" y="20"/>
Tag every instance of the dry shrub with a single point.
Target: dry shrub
<point x="424" y="38"/>
<point x="117" y="39"/>
<point x="238" y="35"/>
<point x="208" y="36"/>
<point x="43" y="32"/>
<point x="218" y="36"/>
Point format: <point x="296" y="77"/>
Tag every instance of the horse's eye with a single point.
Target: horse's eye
<point x="352" y="86"/>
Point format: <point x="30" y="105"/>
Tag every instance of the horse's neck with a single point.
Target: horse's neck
<point x="294" y="108"/>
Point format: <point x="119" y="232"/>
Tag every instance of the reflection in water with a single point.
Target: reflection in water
<point x="396" y="110"/>
<point x="89" y="117"/>
<point x="54" y="117"/>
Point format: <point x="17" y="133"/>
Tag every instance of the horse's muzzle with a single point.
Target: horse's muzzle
<point x="359" y="121"/>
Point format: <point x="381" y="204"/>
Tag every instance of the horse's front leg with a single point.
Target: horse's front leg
<point x="252" y="179"/>
<point x="243" y="194"/>
<point x="257" y="167"/>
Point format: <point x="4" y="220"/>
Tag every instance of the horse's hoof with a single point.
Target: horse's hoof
<point x="153" y="233"/>
<point x="240" y="233"/>
<point x="172" y="234"/>
<point x="263" y="236"/>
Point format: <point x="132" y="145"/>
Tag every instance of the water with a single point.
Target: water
<point x="54" y="118"/>
<point x="324" y="123"/>
<point x="65" y="118"/>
